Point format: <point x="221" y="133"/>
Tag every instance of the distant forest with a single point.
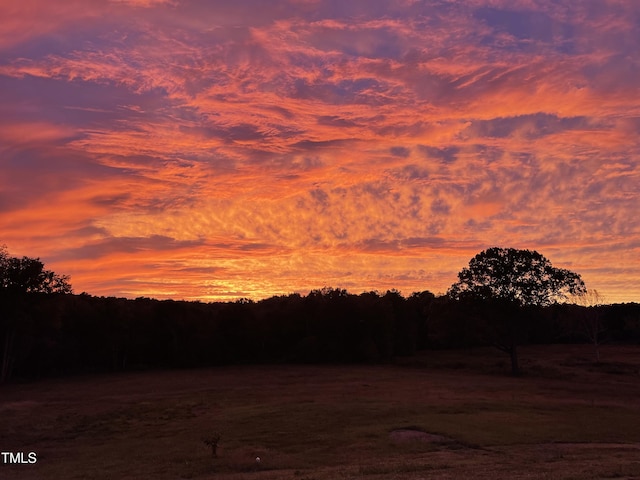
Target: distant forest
<point x="47" y="331"/>
<point x="59" y="334"/>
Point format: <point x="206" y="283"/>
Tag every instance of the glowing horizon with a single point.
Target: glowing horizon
<point x="194" y="149"/>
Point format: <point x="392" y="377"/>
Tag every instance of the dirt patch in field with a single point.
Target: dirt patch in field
<point x="404" y="435"/>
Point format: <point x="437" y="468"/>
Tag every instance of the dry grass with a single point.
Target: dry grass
<point x="566" y="419"/>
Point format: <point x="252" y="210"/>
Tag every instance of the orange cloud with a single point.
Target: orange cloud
<point x="216" y="150"/>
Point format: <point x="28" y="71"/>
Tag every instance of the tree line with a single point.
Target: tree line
<point x="46" y="330"/>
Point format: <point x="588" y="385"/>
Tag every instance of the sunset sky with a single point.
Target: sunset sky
<point x="214" y="150"/>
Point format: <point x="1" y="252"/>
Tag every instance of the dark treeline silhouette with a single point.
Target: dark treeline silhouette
<point x="45" y="330"/>
<point x="58" y="334"/>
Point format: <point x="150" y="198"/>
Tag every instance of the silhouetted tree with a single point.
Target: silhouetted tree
<point x="454" y="323"/>
<point x="420" y="310"/>
<point x="509" y="279"/>
<point x="590" y="323"/>
<point x="27" y="275"/>
<point x="20" y="277"/>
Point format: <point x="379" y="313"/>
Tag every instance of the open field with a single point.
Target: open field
<point x="565" y="419"/>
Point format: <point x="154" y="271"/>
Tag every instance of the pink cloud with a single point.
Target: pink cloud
<point x="293" y="145"/>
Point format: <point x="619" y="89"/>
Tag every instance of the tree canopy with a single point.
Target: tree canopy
<point x="28" y="275"/>
<point x="524" y="277"/>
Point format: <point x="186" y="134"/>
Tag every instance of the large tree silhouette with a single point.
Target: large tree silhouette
<point x="509" y="279"/>
<point x="20" y="277"/>
<point x="28" y="275"/>
<point x="524" y="277"/>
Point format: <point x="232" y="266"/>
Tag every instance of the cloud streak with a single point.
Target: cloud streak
<point x="240" y="148"/>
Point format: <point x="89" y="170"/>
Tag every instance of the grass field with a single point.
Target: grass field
<point x="566" y="418"/>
